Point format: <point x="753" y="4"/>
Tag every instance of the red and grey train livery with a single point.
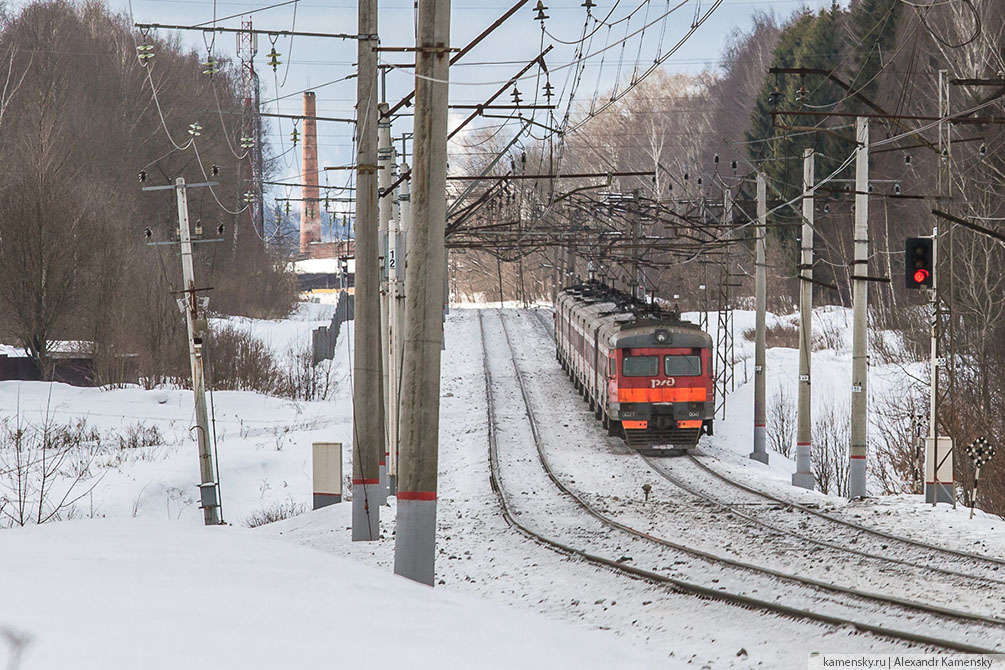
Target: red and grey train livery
<point x="646" y="374"/>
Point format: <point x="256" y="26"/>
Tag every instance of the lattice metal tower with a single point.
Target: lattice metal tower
<point x="724" y="352"/>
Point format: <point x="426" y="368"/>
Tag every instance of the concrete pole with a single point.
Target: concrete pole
<point x="761" y="297"/>
<point x="396" y="270"/>
<point x="393" y="334"/>
<point x="415" y="539"/>
<point x="803" y="476"/>
<point x="368" y="406"/>
<point x="860" y="304"/>
<point x="211" y="507"/>
<point x="937" y="488"/>
<point x="385" y="163"/>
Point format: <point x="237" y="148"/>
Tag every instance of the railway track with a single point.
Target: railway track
<point x="912" y="616"/>
<point x="908" y="551"/>
<point x="974" y="560"/>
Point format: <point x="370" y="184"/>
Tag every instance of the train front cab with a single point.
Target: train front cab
<point x="660" y="387"/>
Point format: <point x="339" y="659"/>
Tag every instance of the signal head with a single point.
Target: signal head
<point x="919" y="263"/>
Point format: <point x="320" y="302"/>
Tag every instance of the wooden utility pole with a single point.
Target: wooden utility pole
<point x="415" y="539"/>
<point x="803" y="476"/>
<point x="761" y="299"/>
<point x="368" y="405"/>
<point x="860" y="315"/>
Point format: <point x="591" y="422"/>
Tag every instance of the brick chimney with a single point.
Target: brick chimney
<point x="310" y="212"/>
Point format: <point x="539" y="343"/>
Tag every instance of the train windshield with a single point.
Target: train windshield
<point x="682" y="366"/>
<point x="640" y="366"/>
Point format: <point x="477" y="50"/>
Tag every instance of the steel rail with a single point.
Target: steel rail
<point x="676" y="481"/>
<point x="851" y="524"/>
<point x="717" y="594"/>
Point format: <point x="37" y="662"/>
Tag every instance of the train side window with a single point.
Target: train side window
<point x="682" y="366"/>
<point x="640" y="366"/>
<point x="614" y="367"/>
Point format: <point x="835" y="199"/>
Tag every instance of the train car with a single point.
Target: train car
<point x="645" y="374"/>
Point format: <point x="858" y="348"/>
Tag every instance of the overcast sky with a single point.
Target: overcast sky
<point x="311" y="63"/>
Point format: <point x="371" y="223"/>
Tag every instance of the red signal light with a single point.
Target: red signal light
<point x="920" y="276"/>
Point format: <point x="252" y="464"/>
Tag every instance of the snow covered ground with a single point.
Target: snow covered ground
<point x="136" y="572"/>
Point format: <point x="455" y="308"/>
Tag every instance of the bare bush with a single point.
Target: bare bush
<point x="828" y="336"/>
<point x="302" y="379"/>
<point x="44" y="470"/>
<point x="140" y="435"/>
<point x="782" y="334"/>
<point x="275" y="512"/>
<point x="241" y="362"/>
<point x="782" y="422"/>
<point x="899" y="457"/>
<point x="831" y="437"/>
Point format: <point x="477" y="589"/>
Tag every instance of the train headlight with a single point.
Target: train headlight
<point x="662" y="336"/>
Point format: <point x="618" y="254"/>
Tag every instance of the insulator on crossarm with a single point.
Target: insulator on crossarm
<point x="211" y="66"/>
<point x="274" y="61"/>
<point x="145" y="52"/>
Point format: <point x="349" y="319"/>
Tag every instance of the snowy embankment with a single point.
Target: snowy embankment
<point x="123" y="592"/>
<point x="126" y="594"/>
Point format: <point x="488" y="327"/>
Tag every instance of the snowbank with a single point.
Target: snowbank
<point x="129" y="594"/>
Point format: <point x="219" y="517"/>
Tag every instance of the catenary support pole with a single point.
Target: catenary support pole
<point x="384" y="163"/>
<point x="398" y="256"/>
<point x="761" y="299"/>
<point x="415" y="539"/>
<point x="860" y="314"/>
<point x="635" y="221"/>
<point x="368" y="406"/>
<point x="803" y="476"/>
<point x="195" y="329"/>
